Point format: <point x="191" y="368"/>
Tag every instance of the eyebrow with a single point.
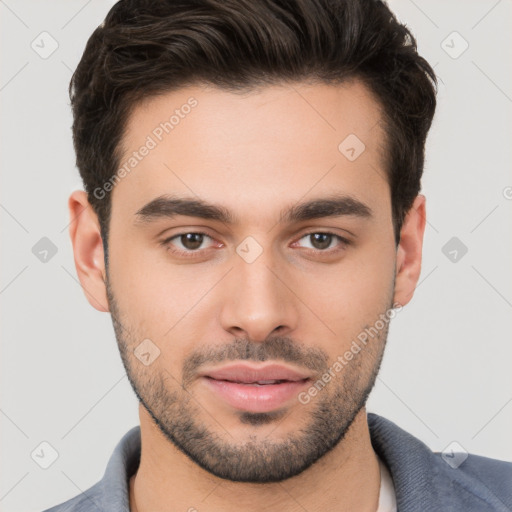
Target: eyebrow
<point x="337" y="205"/>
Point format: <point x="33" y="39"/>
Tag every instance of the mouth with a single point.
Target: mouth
<point x="257" y="383"/>
<point x="255" y="388"/>
<point x="249" y="374"/>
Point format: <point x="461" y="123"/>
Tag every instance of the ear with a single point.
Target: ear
<point x="85" y="234"/>
<point x="409" y="252"/>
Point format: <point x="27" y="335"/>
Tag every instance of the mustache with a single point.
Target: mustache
<point x="242" y="349"/>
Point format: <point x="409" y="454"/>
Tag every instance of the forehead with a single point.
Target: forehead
<point x="254" y="151"/>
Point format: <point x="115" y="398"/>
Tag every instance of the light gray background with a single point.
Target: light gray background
<point x="446" y="374"/>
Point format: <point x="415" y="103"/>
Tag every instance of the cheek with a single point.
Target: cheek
<point x="352" y="294"/>
<point x="163" y="299"/>
<point x="159" y="299"/>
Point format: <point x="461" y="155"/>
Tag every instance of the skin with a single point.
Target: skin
<point x="255" y="154"/>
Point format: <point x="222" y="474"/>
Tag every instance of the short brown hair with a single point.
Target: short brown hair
<point x="148" y="47"/>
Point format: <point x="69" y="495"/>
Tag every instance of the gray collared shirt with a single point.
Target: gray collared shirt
<point x="423" y="480"/>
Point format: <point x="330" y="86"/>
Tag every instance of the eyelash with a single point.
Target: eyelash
<point x="191" y="254"/>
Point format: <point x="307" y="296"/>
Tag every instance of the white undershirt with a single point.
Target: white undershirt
<point x="387" y="497"/>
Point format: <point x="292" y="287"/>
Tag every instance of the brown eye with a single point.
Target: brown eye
<point x="191" y="241"/>
<point x="323" y="242"/>
<point x="186" y="244"/>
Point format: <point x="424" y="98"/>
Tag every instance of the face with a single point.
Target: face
<point x="253" y="235"/>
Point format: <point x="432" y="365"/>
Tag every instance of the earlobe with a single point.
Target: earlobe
<point x="85" y="234"/>
<point x="409" y="252"/>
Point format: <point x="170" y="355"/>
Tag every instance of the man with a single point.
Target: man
<point x="252" y="221"/>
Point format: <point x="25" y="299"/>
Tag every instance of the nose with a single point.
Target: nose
<point x="259" y="300"/>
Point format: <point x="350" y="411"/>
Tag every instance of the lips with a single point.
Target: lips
<point x="247" y="374"/>
<point x="255" y="389"/>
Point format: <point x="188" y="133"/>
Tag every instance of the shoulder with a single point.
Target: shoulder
<point x="426" y="480"/>
<point x="111" y="493"/>
<point x="87" y="501"/>
<point x="483" y="476"/>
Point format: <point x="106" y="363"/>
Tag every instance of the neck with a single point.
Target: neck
<point x="167" y="480"/>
